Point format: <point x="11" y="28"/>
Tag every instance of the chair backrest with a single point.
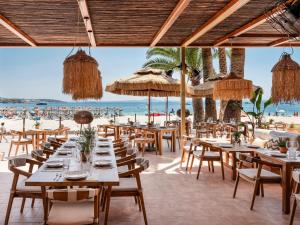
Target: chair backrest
<point x="38" y="155"/>
<point x="72" y="195"/>
<point x="16" y="162"/>
<point x="296" y="176"/>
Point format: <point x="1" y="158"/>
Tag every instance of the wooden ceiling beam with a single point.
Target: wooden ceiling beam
<point x="228" y="10"/>
<point x="16" y="30"/>
<point x="262" y="35"/>
<point x="87" y="21"/>
<point x="252" y="24"/>
<point x="181" y="5"/>
<point x="279" y="42"/>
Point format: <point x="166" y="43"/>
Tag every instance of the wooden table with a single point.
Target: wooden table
<point x="98" y="177"/>
<point x="287" y="167"/>
<point x="39" y="136"/>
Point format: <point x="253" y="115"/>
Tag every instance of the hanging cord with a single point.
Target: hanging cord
<point x="75" y="36"/>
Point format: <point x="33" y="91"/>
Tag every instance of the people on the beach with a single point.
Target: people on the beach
<point x="2" y="132"/>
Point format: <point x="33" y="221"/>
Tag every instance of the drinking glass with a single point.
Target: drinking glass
<point x="292" y="149"/>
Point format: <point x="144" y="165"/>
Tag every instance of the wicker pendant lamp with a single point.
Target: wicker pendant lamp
<point x="232" y="87"/>
<point x="286" y="80"/>
<point x="81" y="77"/>
<point x="83" y="117"/>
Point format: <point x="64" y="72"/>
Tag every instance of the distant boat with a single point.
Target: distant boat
<point x="41" y="103"/>
<point x="188" y="103"/>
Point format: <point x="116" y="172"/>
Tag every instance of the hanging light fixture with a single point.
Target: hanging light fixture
<point x="285" y="80"/>
<point x="83" y="117"/>
<point x="232" y="87"/>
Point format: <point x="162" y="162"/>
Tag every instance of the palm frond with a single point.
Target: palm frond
<point x="169" y="53"/>
<point x="160" y="63"/>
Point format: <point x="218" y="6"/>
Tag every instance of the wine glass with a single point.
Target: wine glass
<point x="292" y="146"/>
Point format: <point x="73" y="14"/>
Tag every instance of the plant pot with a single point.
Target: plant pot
<point x="83" y="157"/>
<point x="283" y="149"/>
<point x="37" y="127"/>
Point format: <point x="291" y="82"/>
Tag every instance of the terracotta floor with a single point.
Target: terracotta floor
<point x="174" y="197"/>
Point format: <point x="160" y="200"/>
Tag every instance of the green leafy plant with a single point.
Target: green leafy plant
<point x="88" y="135"/>
<point x="281" y="142"/>
<point x="237" y="135"/>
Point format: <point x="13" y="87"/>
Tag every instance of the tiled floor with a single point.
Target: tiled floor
<point x="173" y="197"/>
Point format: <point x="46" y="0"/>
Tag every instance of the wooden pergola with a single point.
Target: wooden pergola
<point x="142" y="23"/>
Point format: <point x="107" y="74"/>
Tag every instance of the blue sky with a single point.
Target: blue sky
<point x="38" y="72"/>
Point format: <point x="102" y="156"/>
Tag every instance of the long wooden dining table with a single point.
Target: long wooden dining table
<point x="98" y="176"/>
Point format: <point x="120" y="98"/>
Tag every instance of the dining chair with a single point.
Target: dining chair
<point x="62" y="134"/>
<point x="72" y="206"/>
<point x="18" y="188"/>
<point x="257" y="176"/>
<point x="295" y="195"/>
<point x="147" y="138"/>
<point x="207" y="153"/>
<point x="22" y="140"/>
<point x="187" y="149"/>
<point x="130" y="186"/>
<point x="38" y="155"/>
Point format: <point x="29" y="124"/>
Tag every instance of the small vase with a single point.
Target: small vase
<point x="283" y="149"/>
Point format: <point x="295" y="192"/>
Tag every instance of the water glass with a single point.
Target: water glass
<point x="292" y="149"/>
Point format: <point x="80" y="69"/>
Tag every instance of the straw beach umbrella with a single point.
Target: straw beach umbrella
<point x="285" y="80"/>
<point x="146" y="82"/>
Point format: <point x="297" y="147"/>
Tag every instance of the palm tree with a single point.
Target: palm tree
<point x="223" y="70"/>
<point x="237" y="66"/>
<point x="169" y="59"/>
<point x="208" y="71"/>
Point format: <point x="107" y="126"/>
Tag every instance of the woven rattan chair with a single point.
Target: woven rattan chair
<point x="257" y="176"/>
<point x="130" y="186"/>
<point x="296" y="194"/>
<point x="72" y="206"/>
<point x="18" y="188"/>
<point x="207" y="153"/>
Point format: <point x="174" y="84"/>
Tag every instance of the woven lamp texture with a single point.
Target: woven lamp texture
<point x="83" y="117"/>
<point x="81" y="77"/>
<point x="232" y="87"/>
<point x="285" y="80"/>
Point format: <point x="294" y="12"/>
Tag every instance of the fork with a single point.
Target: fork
<point x="54" y="179"/>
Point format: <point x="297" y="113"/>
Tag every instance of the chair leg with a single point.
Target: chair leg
<point x="143" y="208"/>
<point x="212" y="166"/>
<point x="199" y="169"/>
<point x="262" y="190"/>
<point x="26" y="147"/>
<point x="22" y="205"/>
<point x="208" y="164"/>
<point x="256" y="188"/>
<point x="192" y="162"/>
<point x="293" y="211"/>
<point x="107" y="205"/>
<point x="9" y="206"/>
<point x="187" y="162"/>
<point x="139" y="203"/>
<point x="17" y="149"/>
<point x="222" y="169"/>
<point x="143" y="149"/>
<point x="236" y="185"/>
<point x="32" y="202"/>
<point x="182" y="158"/>
<point x="10" y="149"/>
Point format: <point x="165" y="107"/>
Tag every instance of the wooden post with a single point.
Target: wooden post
<point x="167" y="104"/>
<point x="149" y="102"/>
<point x="182" y="95"/>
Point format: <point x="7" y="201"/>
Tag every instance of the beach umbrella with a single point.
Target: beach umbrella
<point x="146" y="82"/>
<point x="82" y="79"/>
<point x="285" y="80"/>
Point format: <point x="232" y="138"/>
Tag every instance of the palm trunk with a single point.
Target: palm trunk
<point x="237" y="66"/>
<point x="197" y="106"/>
<point x="208" y="71"/>
<point x="223" y="71"/>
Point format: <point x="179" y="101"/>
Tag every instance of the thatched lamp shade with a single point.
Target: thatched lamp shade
<point x="232" y="87"/>
<point x="83" y="117"/>
<point x="286" y="80"/>
<point x="81" y="76"/>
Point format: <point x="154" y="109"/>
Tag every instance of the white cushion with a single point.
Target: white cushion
<point x="265" y="174"/>
<point x="73" y="213"/>
<point x="21" y="186"/>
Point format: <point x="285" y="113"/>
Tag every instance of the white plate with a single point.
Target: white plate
<point x="226" y="145"/>
<point x="69" y="145"/>
<point x="54" y="164"/>
<point x="103" y="145"/>
<point x="252" y="146"/>
<point x="64" y="152"/>
<point x="74" y="139"/>
<point x="278" y="154"/>
<point x="103" y="139"/>
<point x="102" y="151"/>
<point x="75" y="175"/>
<point x="103" y="163"/>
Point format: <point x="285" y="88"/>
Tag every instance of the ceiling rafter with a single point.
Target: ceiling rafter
<point x="228" y="10"/>
<point x="250" y="25"/>
<point x="16" y="31"/>
<point x="279" y="41"/>
<point x="181" y="5"/>
<point x="87" y="21"/>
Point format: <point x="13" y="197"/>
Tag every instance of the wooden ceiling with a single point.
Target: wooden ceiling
<point x="142" y="23"/>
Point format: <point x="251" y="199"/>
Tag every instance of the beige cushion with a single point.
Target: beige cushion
<point x="21" y="186"/>
<point x="207" y="154"/>
<point x="265" y="174"/>
<point x="296" y="176"/>
<point x="126" y="184"/>
<point x="297" y="196"/>
<point x="73" y="213"/>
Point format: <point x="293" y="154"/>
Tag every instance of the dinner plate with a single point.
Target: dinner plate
<point x="69" y="145"/>
<point x="226" y="145"/>
<point x="54" y="164"/>
<point x="64" y="152"/>
<point x="74" y="139"/>
<point x="252" y="146"/>
<point x="75" y="175"/>
<point x="103" y="139"/>
<point x="102" y="151"/>
<point x="103" y="163"/>
<point x="278" y="154"/>
<point x="103" y="145"/>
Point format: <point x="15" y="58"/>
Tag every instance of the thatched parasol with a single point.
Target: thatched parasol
<point x="232" y="87"/>
<point x="81" y="77"/>
<point x="286" y="80"/>
<point x="146" y="82"/>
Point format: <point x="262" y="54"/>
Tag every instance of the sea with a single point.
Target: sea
<point x="139" y="107"/>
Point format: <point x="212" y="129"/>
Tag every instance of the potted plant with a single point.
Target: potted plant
<point x="111" y="121"/>
<point x="281" y="143"/>
<point x="88" y="135"/>
<point x="237" y="137"/>
<point x="37" y="124"/>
